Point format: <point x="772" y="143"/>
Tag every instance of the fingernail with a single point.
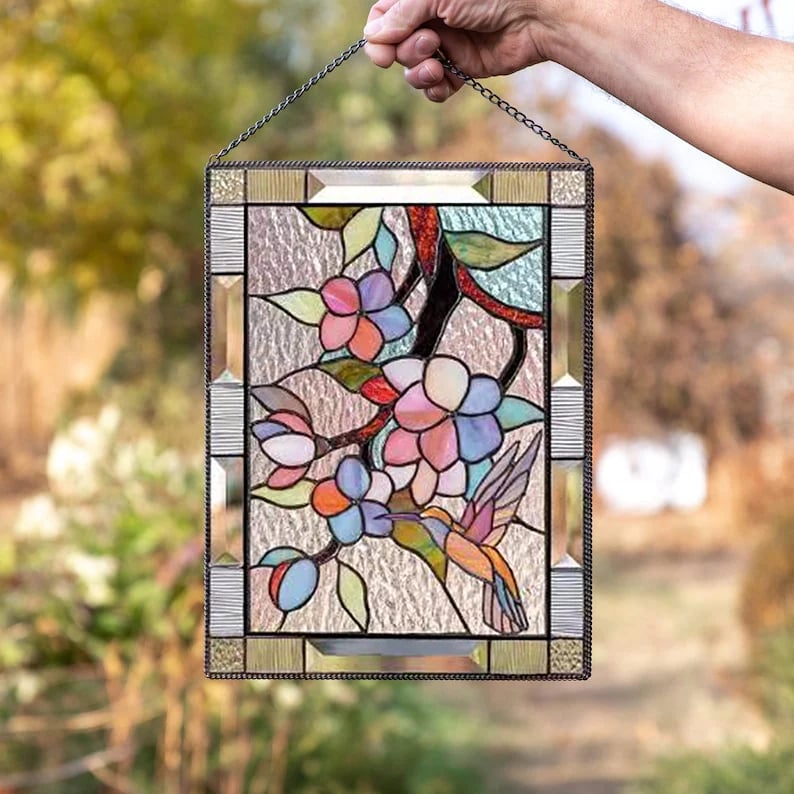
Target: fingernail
<point x="426" y="74"/>
<point x="373" y="26"/>
<point x="424" y="46"/>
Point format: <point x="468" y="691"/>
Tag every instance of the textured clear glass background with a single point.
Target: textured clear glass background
<point x="286" y="251"/>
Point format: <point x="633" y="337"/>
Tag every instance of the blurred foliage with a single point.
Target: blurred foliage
<point x="768" y="614"/>
<point x="101" y="654"/>
<point x="110" y="109"/>
<point x="741" y="771"/>
<point x="774" y="669"/>
<point x="672" y="343"/>
<point x="767" y="603"/>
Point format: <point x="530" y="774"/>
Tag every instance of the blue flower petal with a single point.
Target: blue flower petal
<point x="376" y="290"/>
<point x="483" y="396"/>
<point x="266" y="429"/>
<point x="348" y="526"/>
<point x="297" y="585"/>
<point x="374" y="521"/>
<point x="478" y="436"/>
<point x="353" y="478"/>
<point x="516" y="412"/>
<point x="393" y="322"/>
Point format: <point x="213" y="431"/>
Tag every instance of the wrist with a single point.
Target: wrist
<point x="555" y="23"/>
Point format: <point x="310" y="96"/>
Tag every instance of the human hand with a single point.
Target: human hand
<point x="482" y="37"/>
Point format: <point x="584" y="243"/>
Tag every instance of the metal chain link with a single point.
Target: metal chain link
<point x="511" y="111"/>
<point x="288" y="100"/>
<point x="490" y="95"/>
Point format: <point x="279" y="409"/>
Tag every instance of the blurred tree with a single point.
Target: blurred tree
<point x="673" y="338"/>
<point x="110" y="108"/>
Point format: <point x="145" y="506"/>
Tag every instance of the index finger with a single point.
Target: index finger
<point x="401" y="18"/>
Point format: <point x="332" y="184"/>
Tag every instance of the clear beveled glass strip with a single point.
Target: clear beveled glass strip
<point x="227" y="326"/>
<point x="397" y="186"/>
<point x="226" y="502"/>
<point x="567" y="330"/>
<point x="566" y="510"/>
<point x="398" y="655"/>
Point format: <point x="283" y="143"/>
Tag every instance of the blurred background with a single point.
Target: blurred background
<point x="108" y="112"/>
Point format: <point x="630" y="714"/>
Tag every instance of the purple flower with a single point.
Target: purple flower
<point x="354" y="501"/>
<point x="361" y="314"/>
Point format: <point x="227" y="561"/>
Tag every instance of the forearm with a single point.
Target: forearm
<point x="729" y="94"/>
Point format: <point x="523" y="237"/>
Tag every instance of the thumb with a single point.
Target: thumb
<point x="399" y="19"/>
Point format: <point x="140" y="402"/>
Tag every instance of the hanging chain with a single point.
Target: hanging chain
<point x="492" y="97"/>
<point x="288" y="100"/>
<point x="511" y="111"/>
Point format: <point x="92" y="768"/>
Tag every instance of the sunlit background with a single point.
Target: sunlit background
<point x="108" y="112"/>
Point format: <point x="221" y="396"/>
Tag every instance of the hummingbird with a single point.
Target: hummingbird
<point x="471" y="541"/>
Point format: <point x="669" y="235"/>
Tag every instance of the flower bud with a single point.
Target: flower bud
<point x="293" y="583"/>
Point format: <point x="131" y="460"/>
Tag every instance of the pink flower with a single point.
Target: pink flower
<point x="361" y="314"/>
<point x="445" y="419"/>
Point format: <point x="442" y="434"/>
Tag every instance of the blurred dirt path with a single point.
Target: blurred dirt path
<point x="667" y="676"/>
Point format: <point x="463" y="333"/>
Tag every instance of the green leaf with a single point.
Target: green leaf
<point x="305" y="305"/>
<point x="515" y="412"/>
<point x="278" y="555"/>
<point x="329" y="217"/>
<point x="359" y="233"/>
<point x="481" y="251"/>
<point x="297" y="495"/>
<point x="411" y="535"/>
<point x="352" y="593"/>
<point x="350" y="372"/>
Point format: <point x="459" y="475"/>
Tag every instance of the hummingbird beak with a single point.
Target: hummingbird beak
<point x="403" y="516"/>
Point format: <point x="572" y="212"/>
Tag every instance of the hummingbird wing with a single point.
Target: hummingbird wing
<point x="497" y="497"/>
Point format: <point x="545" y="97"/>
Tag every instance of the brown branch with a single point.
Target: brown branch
<point x="362" y="434"/>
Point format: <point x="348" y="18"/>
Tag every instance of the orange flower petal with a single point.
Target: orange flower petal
<point x="328" y="500"/>
<point x="367" y="340"/>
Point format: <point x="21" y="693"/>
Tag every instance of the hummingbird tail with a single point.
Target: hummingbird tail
<point x="502" y="611"/>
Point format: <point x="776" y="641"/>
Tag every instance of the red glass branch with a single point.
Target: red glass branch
<point x="425" y="228"/>
<point x="362" y="434"/>
<point x="518" y="317"/>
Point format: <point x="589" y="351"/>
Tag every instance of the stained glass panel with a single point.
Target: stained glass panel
<point x="399" y="400"/>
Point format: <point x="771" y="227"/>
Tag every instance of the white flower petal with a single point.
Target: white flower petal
<point x="446" y="382"/>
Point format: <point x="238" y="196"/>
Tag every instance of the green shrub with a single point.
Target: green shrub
<point x="740" y="771"/>
<point x="101" y="651"/>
